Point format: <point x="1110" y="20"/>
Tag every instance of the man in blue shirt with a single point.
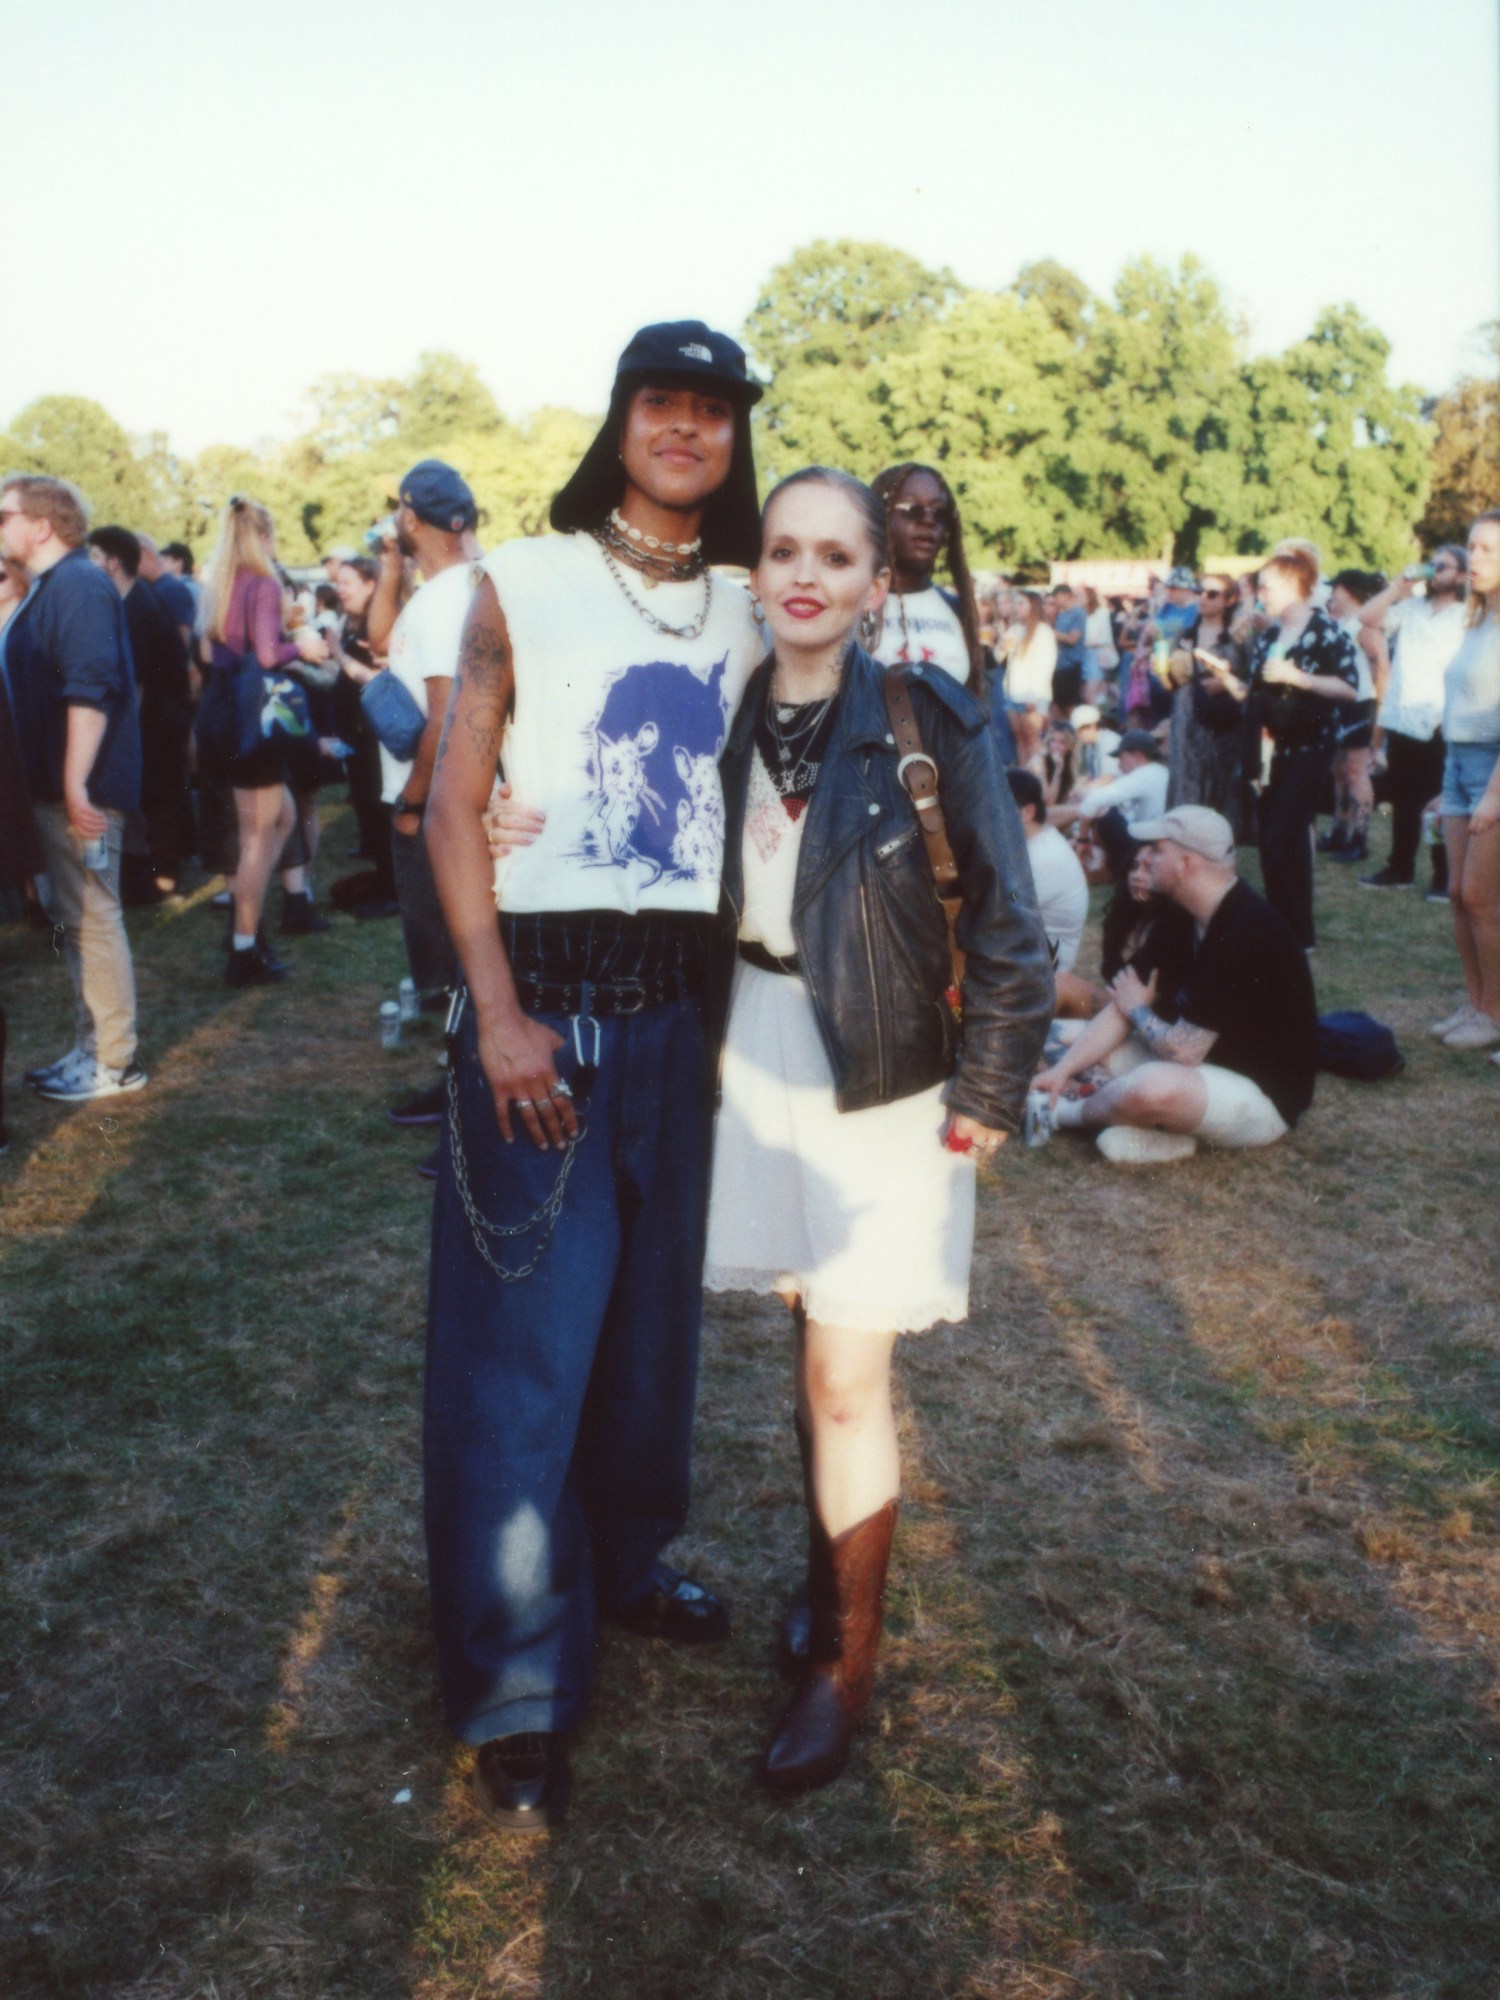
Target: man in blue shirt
<point x="71" y="682"/>
<point x="1069" y="624"/>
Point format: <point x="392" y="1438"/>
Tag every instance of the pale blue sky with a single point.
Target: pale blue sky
<point x="210" y="206"/>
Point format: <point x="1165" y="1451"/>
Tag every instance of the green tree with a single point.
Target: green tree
<point x="992" y="393"/>
<point x="825" y="318"/>
<point x="832" y="304"/>
<point x="74" y="438"/>
<point x="1466" y="453"/>
<point x="1169" y="412"/>
<point x="1061" y="293"/>
<point x="1336" y="451"/>
<point x="444" y="398"/>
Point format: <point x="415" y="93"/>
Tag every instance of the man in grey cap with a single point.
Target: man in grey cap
<point x="1210" y="1034"/>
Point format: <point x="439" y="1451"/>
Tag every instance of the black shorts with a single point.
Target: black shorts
<point x="1356" y="732"/>
<point x="263" y="768"/>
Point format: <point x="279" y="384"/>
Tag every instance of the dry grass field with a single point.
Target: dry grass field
<point x="1193" y="1680"/>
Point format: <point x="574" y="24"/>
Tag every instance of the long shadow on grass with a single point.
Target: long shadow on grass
<point x="1266" y="1777"/>
<point x="213" y="1595"/>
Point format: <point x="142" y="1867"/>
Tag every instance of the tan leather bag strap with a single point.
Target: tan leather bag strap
<point x="919" y="775"/>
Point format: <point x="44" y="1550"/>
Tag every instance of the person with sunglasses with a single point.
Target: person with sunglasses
<point x="1205" y="745"/>
<point x="922" y="624"/>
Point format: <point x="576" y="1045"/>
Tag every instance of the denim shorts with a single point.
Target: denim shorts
<point x="1467" y="770"/>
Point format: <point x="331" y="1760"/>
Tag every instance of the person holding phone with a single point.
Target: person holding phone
<point x="1303" y="671"/>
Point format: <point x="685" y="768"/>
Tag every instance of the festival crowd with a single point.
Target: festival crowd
<point x="756" y="911"/>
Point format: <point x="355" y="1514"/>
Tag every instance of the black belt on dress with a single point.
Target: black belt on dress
<point x="622" y="996"/>
<point x="756" y="954"/>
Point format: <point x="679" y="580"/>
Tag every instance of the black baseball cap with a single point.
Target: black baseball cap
<point x="687" y="350"/>
<point x="669" y="353"/>
<point x="437" y="495"/>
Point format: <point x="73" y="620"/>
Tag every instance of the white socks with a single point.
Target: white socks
<point x="242" y="943"/>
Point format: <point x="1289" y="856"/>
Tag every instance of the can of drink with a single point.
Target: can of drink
<point x="411" y="1005"/>
<point x="95" y="855"/>
<point x="390" y="1024"/>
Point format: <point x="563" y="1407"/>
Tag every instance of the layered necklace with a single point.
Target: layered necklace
<point x="792" y="738"/>
<point x="654" y="561"/>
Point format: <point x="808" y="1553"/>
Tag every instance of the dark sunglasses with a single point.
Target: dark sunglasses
<point x="922" y="515"/>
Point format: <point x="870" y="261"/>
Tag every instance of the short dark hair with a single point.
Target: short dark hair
<point x="1026" y="790"/>
<point x="179" y="552"/>
<point x="1361" y="584"/>
<point x="327" y="596"/>
<point x="119" y="543"/>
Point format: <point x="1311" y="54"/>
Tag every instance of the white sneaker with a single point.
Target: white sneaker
<point x="91" y="1080"/>
<point x="50" y="1072"/>
<point x="1440" y="1030"/>
<point x="1480" y="1031"/>
<point x="1139" y="1146"/>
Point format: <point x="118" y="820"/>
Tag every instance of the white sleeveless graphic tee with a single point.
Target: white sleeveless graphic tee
<point x="617" y="730"/>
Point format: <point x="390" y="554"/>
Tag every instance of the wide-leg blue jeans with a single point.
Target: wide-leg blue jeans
<point x="559" y="1407"/>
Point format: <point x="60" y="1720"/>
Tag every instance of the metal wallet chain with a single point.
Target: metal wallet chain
<point x="544" y="1217"/>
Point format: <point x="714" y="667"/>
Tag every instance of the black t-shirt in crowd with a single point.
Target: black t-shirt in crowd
<point x="1246" y="978"/>
<point x="161" y="663"/>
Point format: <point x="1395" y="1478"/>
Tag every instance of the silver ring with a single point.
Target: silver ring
<point x="559" y="1089"/>
<point x="523" y="1103"/>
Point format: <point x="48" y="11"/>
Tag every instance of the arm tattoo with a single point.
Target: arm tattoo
<point x="483" y="659"/>
<point x="486" y="725"/>
<point x="1177" y="1042"/>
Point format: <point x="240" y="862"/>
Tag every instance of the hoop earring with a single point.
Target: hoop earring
<point x="869" y="629"/>
<point x="755" y="611"/>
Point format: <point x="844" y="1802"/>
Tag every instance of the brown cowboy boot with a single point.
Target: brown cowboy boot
<point x="812" y="1739"/>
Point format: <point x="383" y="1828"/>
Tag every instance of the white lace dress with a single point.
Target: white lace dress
<point x="863" y="1214"/>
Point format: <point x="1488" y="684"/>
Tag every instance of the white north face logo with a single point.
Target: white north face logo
<point x="696" y="351"/>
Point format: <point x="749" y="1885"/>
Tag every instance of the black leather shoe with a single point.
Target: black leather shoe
<point x="523" y="1782"/>
<point x="676" y="1608"/>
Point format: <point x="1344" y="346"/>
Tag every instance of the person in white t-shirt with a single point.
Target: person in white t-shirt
<point x="568" y="1231"/>
<point x="1062" y="893"/>
<point x="1138" y="791"/>
<point x="1029" y="649"/>
<point x="432" y="527"/>
<point x="921" y="624"/>
<point x="1414" y="638"/>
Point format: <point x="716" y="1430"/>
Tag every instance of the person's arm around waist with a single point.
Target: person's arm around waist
<point x="514" y="1050"/>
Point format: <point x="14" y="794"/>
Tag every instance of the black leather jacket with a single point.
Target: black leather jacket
<point x="872" y="942"/>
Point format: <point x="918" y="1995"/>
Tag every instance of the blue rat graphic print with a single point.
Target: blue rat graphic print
<point x="653" y="761"/>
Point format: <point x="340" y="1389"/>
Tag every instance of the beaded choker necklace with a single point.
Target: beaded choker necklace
<point x="652" y="569"/>
<point x="657" y="547"/>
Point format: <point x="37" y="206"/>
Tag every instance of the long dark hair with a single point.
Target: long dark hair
<point x="887" y="486"/>
<point x="730" y="525"/>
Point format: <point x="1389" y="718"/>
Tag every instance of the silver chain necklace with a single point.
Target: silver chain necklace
<point x="690" y="631"/>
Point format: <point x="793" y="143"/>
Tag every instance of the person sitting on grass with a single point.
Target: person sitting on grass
<point x="1211" y="1033"/>
<point x="1062" y="893"/>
